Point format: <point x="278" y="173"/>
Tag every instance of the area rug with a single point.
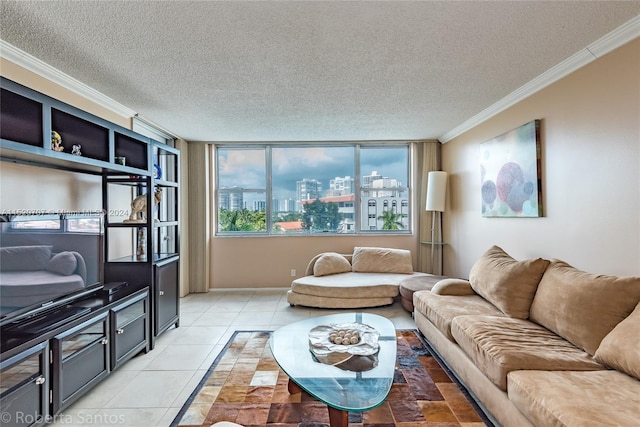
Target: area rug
<point x="246" y="386"/>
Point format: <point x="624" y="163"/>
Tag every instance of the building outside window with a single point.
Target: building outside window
<point x="278" y="189"/>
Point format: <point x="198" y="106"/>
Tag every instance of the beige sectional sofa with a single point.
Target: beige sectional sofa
<point x="367" y="278"/>
<point x="539" y="342"/>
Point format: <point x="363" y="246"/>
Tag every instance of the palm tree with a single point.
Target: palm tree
<point x="232" y="221"/>
<point x="391" y="220"/>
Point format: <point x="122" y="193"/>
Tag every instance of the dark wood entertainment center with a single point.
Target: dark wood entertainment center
<point x="51" y="359"/>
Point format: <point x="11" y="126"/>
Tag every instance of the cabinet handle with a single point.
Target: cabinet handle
<point x="161" y="293"/>
<point x="104" y="341"/>
<point x="40" y="380"/>
<point x="120" y="331"/>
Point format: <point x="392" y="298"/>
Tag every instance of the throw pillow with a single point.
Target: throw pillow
<point x="582" y="307"/>
<point x="381" y="260"/>
<point x="331" y="263"/>
<point x="505" y="282"/>
<point x="453" y="287"/>
<point x="64" y="263"/>
<point x="620" y="349"/>
<point x="24" y="258"/>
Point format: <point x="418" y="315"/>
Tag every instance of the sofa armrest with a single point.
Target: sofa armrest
<point x="452" y="287"/>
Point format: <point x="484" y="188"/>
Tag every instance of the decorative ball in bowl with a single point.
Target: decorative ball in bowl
<point x="353" y="338"/>
<point x="345" y="337"/>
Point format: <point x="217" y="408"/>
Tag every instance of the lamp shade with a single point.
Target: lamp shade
<point x="436" y="190"/>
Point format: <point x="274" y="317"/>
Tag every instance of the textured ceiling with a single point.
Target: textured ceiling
<point x="307" y="71"/>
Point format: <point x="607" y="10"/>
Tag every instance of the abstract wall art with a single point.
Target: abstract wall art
<point x="510" y="167"/>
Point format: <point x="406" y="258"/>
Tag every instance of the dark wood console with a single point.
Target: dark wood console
<point x="50" y="360"/>
<point x="45" y="370"/>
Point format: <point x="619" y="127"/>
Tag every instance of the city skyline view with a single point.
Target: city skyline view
<point x="245" y="169"/>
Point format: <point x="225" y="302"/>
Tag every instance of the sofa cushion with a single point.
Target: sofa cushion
<point x="453" y="287"/>
<point x="350" y="285"/>
<point x="506" y="283"/>
<point x="620" y="349"/>
<point x="442" y="309"/>
<point x="582" y="307"/>
<point x="24" y="258"/>
<point x="576" y="399"/>
<point x="381" y="260"/>
<point x="331" y="263"/>
<point x="64" y="263"/>
<point x="499" y="345"/>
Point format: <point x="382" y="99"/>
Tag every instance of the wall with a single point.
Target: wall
<point x="33" y="81"/>
<point x="39" y="188"/>
<point x="265" y="262"/>
<point x="590" y="174"/>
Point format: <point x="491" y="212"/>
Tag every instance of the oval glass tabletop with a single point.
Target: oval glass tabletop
<point x="339" y="388"/>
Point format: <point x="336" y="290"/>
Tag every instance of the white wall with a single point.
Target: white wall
<point x="590" y="175"/>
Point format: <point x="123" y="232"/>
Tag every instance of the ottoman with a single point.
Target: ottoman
<point x="418" y="283"/>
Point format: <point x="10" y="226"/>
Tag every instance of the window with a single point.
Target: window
<point x="312" y="189"/>
<point x="242" y="190"/>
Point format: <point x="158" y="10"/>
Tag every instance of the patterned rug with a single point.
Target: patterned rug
<point x="246" y="386"/>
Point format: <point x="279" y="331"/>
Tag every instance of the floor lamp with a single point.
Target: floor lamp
<point x="436" y="192"/>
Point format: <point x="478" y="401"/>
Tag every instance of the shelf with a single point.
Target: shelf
<point x="156" y="258"/>
<point x="163" y="183"/>
<point x="126" y="224"/>
<point x="29" y="117"/>
<point x="165" y="224"/>
<point x="21" y="119"/>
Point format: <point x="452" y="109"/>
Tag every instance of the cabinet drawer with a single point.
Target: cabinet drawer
<point x="81" y="369"/>
<point x="129" y="329"/>
<point x="80" y="360"/>
<point x="130" y="313"/>
<point x="129" y="340"/>
<point x="24" y="406"/>
<point x="24" y="387"/>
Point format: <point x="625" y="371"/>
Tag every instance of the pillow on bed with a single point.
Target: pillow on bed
<point x="24" y="258"/>
<point x="64" y="263"/>
<point x="331" y="263"/>
<point x="382" y="260"/>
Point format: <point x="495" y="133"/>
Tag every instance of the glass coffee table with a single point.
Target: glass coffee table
<point x="342" y="390"/>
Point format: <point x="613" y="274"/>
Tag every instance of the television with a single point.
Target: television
<point x="48" y="260"/>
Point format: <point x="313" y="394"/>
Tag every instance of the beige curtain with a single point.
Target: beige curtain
<point x="428" y="160"/>
<point x="199" y="165"/>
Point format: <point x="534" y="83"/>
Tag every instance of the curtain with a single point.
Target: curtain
<point x="199" y="217"/>
<point x="429" y="161"/>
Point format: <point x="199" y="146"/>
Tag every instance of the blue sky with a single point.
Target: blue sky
<point x="245" y="168"/>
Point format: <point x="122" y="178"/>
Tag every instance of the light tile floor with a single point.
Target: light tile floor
<point x="150" y="389"/>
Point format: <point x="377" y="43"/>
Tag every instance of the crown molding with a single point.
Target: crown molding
<point x="33" y="64"/>
<point x="618" y="37"/>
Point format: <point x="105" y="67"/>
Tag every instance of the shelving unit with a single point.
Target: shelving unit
<point x="151" y="256"/>
<point x="143" y="253"/>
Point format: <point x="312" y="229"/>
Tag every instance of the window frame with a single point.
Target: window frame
<point x="358" y="189"/>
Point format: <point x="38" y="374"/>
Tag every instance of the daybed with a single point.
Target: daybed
<point x="31" y="274"/>
<point x="539" y="342"/>
<point x="367" y="278"/>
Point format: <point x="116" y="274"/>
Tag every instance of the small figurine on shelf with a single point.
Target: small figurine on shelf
<point x="76" y="150"/>
<point x="157" y="171"/>
<point x="139" y="206"/>
<point x="56" y="141"/>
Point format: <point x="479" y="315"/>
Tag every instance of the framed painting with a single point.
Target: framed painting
<point x="510" y="167"/>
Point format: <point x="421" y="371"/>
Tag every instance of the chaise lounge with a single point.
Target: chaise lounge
<point x="370" y="277"/>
